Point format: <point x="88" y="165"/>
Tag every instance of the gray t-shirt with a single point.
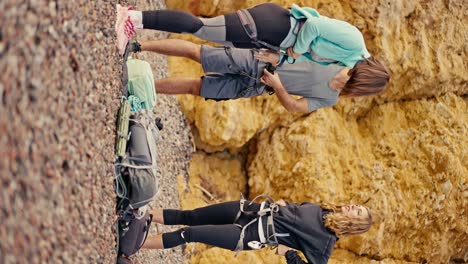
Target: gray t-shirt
<point x="311" y="81"/>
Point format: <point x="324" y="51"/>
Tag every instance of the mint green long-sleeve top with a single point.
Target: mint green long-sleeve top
<point x="328" y="38"/>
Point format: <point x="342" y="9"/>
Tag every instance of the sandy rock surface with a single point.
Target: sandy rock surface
<point x="59" y="94"/>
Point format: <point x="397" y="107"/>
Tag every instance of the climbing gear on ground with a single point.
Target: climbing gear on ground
<point x="123" y="117"/>
<point x="136" y="175"/>
<point x="132" y="234"/>
<point x="133" y="46"/>
<point x="159" y="124"/>
<point x="123" y="260"/>
<point x="268" y="238"/>
<point x="141" y="82"/>
<point x="135" y="103"/>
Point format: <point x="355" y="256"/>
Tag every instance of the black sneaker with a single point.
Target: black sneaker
<point x="132" y="46"/>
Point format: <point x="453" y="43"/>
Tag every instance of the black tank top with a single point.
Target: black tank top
<point x="272" y="22"/>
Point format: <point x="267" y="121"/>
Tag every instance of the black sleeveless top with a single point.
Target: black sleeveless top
<point x="272" y="22"/>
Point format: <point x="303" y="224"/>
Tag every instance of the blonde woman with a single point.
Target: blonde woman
<point x="310" y="228"/>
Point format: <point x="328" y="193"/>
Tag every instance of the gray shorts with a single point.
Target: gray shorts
<point x="222" y="81"/>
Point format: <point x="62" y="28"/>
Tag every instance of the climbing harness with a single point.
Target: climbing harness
<point x="238" y="70"/>
<point x="268" y="237"/>
<point x="250" y="28"/>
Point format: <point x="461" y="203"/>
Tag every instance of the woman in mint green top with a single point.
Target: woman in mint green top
<point x="326" y="40"/>
<point x="299" y="31"/>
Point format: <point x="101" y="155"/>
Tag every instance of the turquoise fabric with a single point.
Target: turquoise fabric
<point x="328" y="38"/>
<point x="141" y="90"/>
<point x="135" y="104"/>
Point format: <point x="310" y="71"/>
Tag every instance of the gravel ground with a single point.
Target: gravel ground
<point x="59" y="94"/>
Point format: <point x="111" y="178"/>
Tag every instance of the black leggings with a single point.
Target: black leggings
<point x="212" y="225"/>
<point x="272" y="21"/>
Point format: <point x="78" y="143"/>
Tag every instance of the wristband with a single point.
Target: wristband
<point x="290" y="253"/>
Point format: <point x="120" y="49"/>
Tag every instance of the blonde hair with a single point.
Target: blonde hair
<point x="343" y="225"/>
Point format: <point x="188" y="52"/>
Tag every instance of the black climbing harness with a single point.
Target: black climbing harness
<point x="250" y="28"/>
<point x="268" y="237"/>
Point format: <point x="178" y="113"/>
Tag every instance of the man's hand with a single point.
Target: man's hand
<point x="282" y="249"/>
<point x="289" y="102"/>
<point x="271" y="79"/>
<point x="292" y="54"/>
<point x="268" y="56"/>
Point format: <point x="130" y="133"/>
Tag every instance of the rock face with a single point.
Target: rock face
<point x="407" y="161"/>
<point x="403" y="153"/>
<point x="213" y="178"/>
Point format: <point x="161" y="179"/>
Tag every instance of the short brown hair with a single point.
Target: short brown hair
<point x="368" y="77"/>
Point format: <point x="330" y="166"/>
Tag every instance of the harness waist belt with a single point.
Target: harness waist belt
<point x="261" y="233"/>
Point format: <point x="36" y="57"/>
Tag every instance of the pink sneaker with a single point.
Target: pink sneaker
<point x="124" y="28"/>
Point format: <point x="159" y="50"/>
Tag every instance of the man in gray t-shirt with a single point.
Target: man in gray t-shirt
<point x="311" y="81"/>
<point x="232" y="73"/>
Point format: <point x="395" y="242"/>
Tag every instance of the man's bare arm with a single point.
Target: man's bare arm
<point x="287" y="100"/>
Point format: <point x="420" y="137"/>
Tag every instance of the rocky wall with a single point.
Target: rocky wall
<point x="407" y="161"/>
<point x="216" y="255"/>
<point x="213" y="178"/>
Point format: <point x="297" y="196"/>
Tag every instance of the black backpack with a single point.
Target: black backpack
<point x="132" y="234"/>
<point x="136" y="179"/>
<point x="136" y="186"/>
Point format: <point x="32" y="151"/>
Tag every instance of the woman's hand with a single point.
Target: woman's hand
<point x="282" y="249"/>
<point x="267" y="56"/>
<point x="281" y="202"/>
<point x="292" y="54"/>
<point x="271" y="79"/>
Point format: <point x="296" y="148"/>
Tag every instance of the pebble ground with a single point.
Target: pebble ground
<point x="59" y="94"/>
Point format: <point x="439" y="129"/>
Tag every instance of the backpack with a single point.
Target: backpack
<point x="123" y="118"/>
<point x="136" y="175"/>
<point x="135" y="168"/>
<point x="140" y="86"/>
<point x="132" y="234"/>
<point x="136" y="186"/>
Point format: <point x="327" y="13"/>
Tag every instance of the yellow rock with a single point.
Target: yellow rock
<point x="403" y="153"/>
<point x="407" y="161"/>
<point x="213" y="178"/>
